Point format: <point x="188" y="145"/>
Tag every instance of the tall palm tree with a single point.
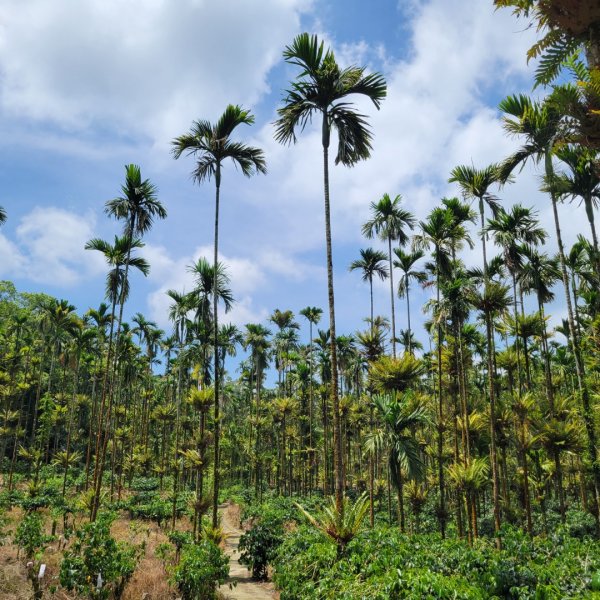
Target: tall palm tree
<point x="137" y="207"/>
<point x="582" y="182"/>
<point x="475" y="183"/>
<point x="538" y="274"/>
<point x="389" y="222"/>
<point x="322" y="90"/>
<point x="510" y="230"/>
<point x="371" y="263"/>
<point x="538" y="124"/>
<point x="492" y="300"/>
<point x="212" y="145"/>
<point x="440" y="231"/>
<point x="118" y="256"/>
<point x="256" y="340"/>
<point x="405" y="261"/>
<point x="284" y="320"/>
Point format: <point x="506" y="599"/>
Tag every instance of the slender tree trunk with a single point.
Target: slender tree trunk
<point x="589" y="209"/>
<point x="335" y="401"/>
<point x="216" y="465"/>
<point x="440" y="426"/>
<point x="493" y="452"/>
<point x="392" y="296"/>
<point x="310" y="414"/>
<point x="579" y="365"/>
<point x="408" y="315"/>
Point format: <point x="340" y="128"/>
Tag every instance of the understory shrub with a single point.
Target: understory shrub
<point x="201" y="567"/>
<point x="96" y="565"/>
<point x="383" y="564"/>
<point x="258" y="547"/>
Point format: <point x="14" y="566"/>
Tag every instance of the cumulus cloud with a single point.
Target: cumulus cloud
<point x="49" y="248"/>
<point x="249" y="276"/>
<point x="151" y="67"/>
<point x="143" y="67"/>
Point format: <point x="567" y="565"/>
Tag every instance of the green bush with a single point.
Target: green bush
<point x="201" y="567"/>
<point x="259" y="545"/>
<point x="95" y="553"/>
<point x="382" y="563"/>
<point x="30" y="534"/>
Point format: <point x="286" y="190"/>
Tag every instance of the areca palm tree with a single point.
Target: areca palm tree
<point x="321" y="91"/>
<point x="370" y="263"/>
<point x="538" y="274"/>
<point x="539" y="125"/>
<point x="406" y="262"/>
<point x="399" y="421"/>
<point x="118" y="256"/>
<point x="492" y="300"/>
<point x="255" y="339"/>
<point x="441" y="231"/>
<point x="510" y="230"/>
<point x="582" y="182"/>
<point x="475" y="183"/>
<point x="389" y="222"/>
<point x="211" y="145"/>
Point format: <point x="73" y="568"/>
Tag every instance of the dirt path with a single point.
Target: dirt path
<point x="245" y="587"/>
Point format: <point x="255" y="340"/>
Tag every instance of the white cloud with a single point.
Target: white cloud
<point x="151" y="67"/>
<point x="144" y="67"/>
<point x="49" y="248"/>
<point x="11" y="259"/>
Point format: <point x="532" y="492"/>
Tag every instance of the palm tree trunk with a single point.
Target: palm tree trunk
<point x="392" y="297"/>
<point x="216" y="352"/>
<point x="100" y="415"/>
<point x="440" y="426"/>
<point x="337" y="434"/>
<point x="588" y="417"/>
<point x="408" y="315"/>
<point x="69" y="427"/>
<point x="493" y="452"/>
<point x="311" y="471"/>
<point x="589" y="209"/>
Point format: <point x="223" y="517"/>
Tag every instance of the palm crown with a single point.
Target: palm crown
<point x="322" y="88"/>
<point x="210" y="144"/>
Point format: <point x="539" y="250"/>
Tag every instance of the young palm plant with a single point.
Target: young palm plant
<point x="340" y="526"/>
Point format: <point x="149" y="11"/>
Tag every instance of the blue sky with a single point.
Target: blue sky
<point x="87" y="87"/>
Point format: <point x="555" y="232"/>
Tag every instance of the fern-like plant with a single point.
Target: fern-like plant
<point x="339" y="526"/>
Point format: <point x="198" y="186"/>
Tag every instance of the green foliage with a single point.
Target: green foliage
<point x="202" y="566"/>
<point x="259" y="545"/>
<point x="95" y="552"/>
<point x="30" y="534"/>
<point x="381" y="563"/>
<point x="341" y="526"/>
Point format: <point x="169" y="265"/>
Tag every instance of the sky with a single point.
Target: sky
<point x="88" y="87"/>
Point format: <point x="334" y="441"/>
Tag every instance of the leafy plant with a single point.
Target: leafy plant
<point x="258" y="547"/>
<point x="30" y="534"/>
<point x="202" y="566"/>
<point x="340" y="526"/>
<point x="96" y="565"/>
